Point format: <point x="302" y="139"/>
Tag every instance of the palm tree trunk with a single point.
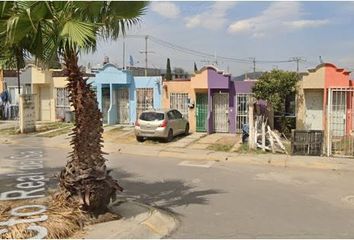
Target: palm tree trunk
<point x="85" y="176"/>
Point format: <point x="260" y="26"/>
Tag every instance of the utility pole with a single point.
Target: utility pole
<point x="254" y="64"/>
<point x="123" y="53"/>
<point x="146" y="53"/>
<point x="297" y="60"/>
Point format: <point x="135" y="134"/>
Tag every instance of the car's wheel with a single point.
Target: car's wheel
<point x="186" y="130"/>
<point x="140" y="139"/>
<point x="169" y="136"/>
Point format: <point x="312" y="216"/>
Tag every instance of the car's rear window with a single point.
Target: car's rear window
<point x="152" y="116"/>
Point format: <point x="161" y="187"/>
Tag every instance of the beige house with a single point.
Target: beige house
<point x="49" y="87"/>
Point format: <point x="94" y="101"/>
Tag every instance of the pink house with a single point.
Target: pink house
<point x="325" y="102"/>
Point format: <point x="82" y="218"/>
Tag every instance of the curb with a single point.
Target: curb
<point x="138" y="221"/>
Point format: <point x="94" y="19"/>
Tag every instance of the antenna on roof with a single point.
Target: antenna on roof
<point x="321" y="61"/>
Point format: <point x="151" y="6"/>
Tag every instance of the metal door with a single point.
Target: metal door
<point x="123" y="105"/>
<point x="145" y="100"/>
<point x="62" y="103"/>
<point x="201" y="111"/>
<point x="242" y="101"/>
<point x="221" y="112"/>
<point x="340" y="115"/>
<point x="314" y="110"/>
<point x="179" y="101"/>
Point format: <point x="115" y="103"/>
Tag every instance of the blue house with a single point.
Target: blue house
<point x="122" y="97"/>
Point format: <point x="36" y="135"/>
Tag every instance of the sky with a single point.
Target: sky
<point x="231" y="34"/>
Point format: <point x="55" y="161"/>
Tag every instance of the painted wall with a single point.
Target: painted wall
<point x="146" y="82"/>
<point x="113" y="78"/>
<point x="218" y="82"/>
<point x="324" y="76"/>
<point x="176" y="86"/>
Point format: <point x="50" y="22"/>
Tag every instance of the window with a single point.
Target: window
<point x="170" y="115"/>
<point x="152" y="116"/>
<point x="177" y="114"/>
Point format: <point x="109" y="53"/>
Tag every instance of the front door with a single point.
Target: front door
<point x="45" y="103"/>
<point x="201" y="111"/>
<point x="105" y="103"/>
<point x="221" y="112"/>
<point x="314" y="110"/>
<point x="123" y="105"/>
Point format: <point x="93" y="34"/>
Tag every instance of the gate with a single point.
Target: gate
<point x="62" y="104"/>
<point x="221" y="112"/>
<point x="242" y="101"/>
<point x="123" y="105"/>
<point x="179" y="101"/>
<point x="145" y="100"/>
<point x="201" y="111"/>
<point x="340" y="122"/>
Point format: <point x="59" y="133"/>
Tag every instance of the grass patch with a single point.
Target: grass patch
<point x="9" y="131"/>
<point x="51" y="126"/>
<point x="220" y="147"/>
<point x="244" y="149"/>
<point x="60" y="131"/>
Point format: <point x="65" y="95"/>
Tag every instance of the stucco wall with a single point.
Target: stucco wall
<point x="315" y="79"/>
<point x="200" y="80"/>
<point x="174" y="87"/>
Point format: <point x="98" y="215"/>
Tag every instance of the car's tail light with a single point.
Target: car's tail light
<point x="137" y="124"/>
<point x="164" y="123"/>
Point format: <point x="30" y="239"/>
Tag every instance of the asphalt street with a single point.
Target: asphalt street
<point x="222" y="199"/>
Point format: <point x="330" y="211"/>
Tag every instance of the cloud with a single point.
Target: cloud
<point x="278" y="17"/>
<point x="213" y="18"/>
<point x="166" y="9"/>
<point x="307" y="23"/>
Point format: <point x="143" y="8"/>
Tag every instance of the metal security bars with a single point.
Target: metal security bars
<point x="179" y="101"/>
<point x="145" y="100"/>
<point x="340" y="122"/>
<point x="307" y="142"/>
<point x="242" y="101"/>
<point x="62" y="103"/>
<point x="221" y="112"/>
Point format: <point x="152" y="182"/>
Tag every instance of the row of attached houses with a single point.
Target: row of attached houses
<point x="211" y="100"/>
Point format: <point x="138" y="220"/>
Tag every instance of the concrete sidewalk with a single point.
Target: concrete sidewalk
<point x="279" y="160"/>
<point x="138" y="221"/>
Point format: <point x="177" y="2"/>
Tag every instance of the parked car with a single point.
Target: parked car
<point x="160" y="124"/>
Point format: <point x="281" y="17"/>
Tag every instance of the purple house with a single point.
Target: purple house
<point x="221" y="106"/>
<point x="243" y="90"/>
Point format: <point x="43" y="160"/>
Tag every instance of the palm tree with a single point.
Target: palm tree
<point x="66" y="29"/>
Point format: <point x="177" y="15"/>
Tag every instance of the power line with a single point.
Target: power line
<point x="212" y="56"/>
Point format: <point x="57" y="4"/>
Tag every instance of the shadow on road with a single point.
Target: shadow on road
<point x="162" y="194"/>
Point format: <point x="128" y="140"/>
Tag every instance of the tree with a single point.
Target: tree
<point x="195" y="67"/>
<point x="168" y="70"/>
<point x="275" y="87"/>
<point x="64" y="30"/>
